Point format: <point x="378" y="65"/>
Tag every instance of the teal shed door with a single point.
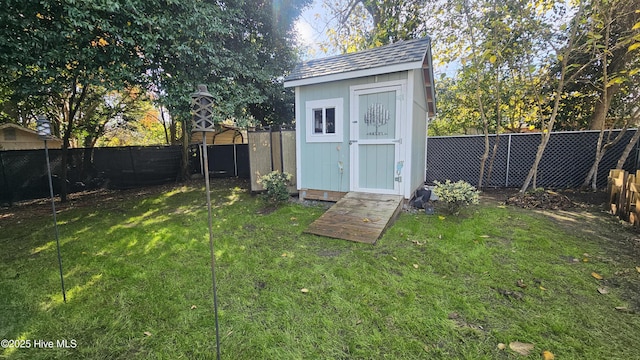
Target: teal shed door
<point x="375" y="140"/>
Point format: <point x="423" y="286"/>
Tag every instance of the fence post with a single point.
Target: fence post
<point x="5" y="181"/>
<point x="506" y="182"/>
<point x="235" y="160"/>
<point x="281" y="152"/>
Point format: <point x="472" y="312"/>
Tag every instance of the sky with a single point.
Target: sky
<point x="311" y="27"/>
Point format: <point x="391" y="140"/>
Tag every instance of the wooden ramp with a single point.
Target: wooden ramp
<point x="360" y="217"/>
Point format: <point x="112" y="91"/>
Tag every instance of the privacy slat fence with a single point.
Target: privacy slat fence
<point x="23" y="173"/>
<point x="270" y="151"/>
<point x="565" y="164"/>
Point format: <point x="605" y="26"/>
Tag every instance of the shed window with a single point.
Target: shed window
<point x="10" y="134"/>
<point x="324" y="120"/>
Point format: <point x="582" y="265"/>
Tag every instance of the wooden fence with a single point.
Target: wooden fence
<point x="624" y="195"/>
<point x="270" y="151"/>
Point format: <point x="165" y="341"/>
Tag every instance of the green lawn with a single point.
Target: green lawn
<point x="139" y="283"/>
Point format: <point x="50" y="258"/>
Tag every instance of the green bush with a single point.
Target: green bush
<point x="275" y="183"/>
<point x="456" y="194"/>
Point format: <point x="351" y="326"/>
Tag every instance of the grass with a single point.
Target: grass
<point x="139" y="285"/>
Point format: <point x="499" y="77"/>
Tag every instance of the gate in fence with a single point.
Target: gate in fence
<point x="566" y="161"/>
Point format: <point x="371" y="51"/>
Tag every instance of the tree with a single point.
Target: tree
<point x="494" y="43"/>
<point x="56" y="52"/>
<point x="240" y="50"/>
<point x="363" y="24"/>
<point x="457" y="110"/>
<point x="607" y="38"/>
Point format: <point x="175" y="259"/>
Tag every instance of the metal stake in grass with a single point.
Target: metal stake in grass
<point x="43" y="126"/>
<point x="202" y="108"/>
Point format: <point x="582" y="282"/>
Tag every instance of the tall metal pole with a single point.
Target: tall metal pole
<point x="55" y="220"/>
<point x="213" y="256"/>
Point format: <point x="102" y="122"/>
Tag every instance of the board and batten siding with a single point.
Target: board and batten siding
<point x="330" y="164"/>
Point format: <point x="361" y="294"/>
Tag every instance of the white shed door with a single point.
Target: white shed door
<point x="375" y="139"/>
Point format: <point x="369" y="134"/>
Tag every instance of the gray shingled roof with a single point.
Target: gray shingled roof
<point x="397" y="53"/>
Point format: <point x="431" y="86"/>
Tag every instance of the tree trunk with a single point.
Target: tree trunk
<point x="533" y="172"/>
<point x="556" y="102"/>
<point x="70" y="110"/>
<point x="598" y="120"/>
<point x="493" y="157"/>
<point x="498" y="125"/>
<point x="485" y="155"/>
<point x="173" y="132"/>
<point x="598" y="157"/>
<point x="485" y="121"/>
<point x="627" y="149"/>
<point x="164" y="125"/>
<point x="184" y="171"/>
<point x="601" y="150"/>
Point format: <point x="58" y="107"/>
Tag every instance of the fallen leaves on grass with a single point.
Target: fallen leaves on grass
<point x="548" y="355"/>
<point x="511" y="294"/>
<point x="596" y="276"/>
<point x="521" y="348"/>
<point x="441" y="217"/>
<point x="548" y="200"/>
<point x="416" y="266"/>
<point x="603" y="290"/>
<point x="304" y="290"/>
<point x="638" y="269"/>
<point x="501" y="346"/>
<point x="147" y="333"/>
<point x="520" y="283"/>
<point x="624" y="309"/>
<point x="417" y="242"/>
<point x="193" y="307"/>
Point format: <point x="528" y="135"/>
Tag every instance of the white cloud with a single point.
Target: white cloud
<point x="305" y="32"/>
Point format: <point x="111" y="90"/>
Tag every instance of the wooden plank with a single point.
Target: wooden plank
<point x="358" y="217"/>
<point x="289" y="156"/>
<point x="259" y="157"/>
<point x="321" y="195"/>
<point x="276" y="151"/>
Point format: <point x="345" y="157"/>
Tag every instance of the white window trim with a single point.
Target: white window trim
<point x="338" y="136"/>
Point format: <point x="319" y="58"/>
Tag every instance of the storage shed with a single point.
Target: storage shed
<point x="361" y="120"/>
<point x="16" y="137"/>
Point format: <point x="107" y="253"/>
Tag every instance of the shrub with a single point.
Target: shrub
<point x="456" y="194"/>
<point x="275" y="183"/>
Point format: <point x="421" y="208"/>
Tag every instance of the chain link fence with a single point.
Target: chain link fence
<point x="23" y="173"/>
<point x="567" y="159"/>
